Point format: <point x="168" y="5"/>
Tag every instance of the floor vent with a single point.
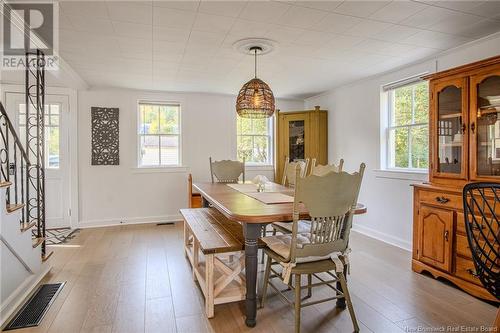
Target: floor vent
<point x="32" y="312"/>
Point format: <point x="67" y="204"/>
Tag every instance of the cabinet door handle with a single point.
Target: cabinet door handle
<point x="442" y="200"/>
<point x="473" y="127"/>
<point x="464" y="127"/>
<point x="472" y="272"/>
<point x="446" y="233"/>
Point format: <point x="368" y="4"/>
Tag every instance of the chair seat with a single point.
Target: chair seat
<point x="304" y="226"/>
<point x="280" y="244"/>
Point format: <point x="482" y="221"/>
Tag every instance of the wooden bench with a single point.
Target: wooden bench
<point x="219" y="269"/>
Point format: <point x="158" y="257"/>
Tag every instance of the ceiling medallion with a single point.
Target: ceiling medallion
<point x="255" y="99"/>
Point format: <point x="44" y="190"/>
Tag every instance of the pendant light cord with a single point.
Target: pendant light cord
<point x="255" y="50"/>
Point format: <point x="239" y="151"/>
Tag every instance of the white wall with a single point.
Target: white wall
<point x="110" y="194"/>
<point x="354" y="134"/>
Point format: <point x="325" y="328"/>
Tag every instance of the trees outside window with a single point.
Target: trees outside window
<point x="408" y="130"/>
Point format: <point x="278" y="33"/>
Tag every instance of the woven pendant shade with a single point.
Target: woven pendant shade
<point x="255" y="99"/>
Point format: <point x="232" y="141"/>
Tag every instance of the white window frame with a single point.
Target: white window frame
<point x="270" y="144"/>
<point x="387" y="105"/>
<point x="139" y="136"/>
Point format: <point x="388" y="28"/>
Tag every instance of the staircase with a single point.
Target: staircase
<point x="22" y="203"/>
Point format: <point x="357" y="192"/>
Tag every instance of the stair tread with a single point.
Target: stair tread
<point x="37" y="241"/>
<point x="47" y="256"/>
<point x="27" y="226"/>
<point x="13" y="207"/>
<point x="5" y="184"/>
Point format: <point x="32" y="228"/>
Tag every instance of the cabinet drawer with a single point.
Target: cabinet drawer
<point x="464" y="268"/>
<point x="441" y="199"/>
<point x="486" y="230"/>
<point x="463" y="248"/>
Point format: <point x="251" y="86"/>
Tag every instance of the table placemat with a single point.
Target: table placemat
<point x="244" y="188"/>
<point x="271" y="197"/>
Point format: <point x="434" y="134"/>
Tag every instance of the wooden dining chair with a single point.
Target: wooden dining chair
<point x="227" y="171"/>
<point x="324" y="248"/>
<point x="317" y="170"/>
<point x="289" y="174"/>
<point x="321" y="170"/>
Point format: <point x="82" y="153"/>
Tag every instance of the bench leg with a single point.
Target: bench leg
<point x="186" y="238"/>
<point x="196" y="260"/>
<point x="209" y="285"/>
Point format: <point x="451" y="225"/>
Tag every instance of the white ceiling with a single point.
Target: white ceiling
<point x="187" y="45"/>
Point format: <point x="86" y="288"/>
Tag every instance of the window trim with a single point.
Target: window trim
<point x="178" y="166"/>
<point x="387" y="105"/>
<point x="270" y="144"/>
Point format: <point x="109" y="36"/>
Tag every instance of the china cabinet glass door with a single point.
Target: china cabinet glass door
<point x="485" y="126"/>
<point x="449" y="125"/>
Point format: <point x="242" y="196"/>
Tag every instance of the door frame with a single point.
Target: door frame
<point x="71" y="95"/>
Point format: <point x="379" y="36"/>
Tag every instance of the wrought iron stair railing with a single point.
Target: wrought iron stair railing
<point x="14" y="167"/>
<point x="22" y="163"/>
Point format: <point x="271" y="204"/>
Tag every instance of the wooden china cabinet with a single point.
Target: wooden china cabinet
<point x="464" y="146"/>
<point x="301" y="135"/>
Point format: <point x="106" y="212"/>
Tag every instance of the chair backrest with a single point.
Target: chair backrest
<point x="321" y="170"/>
<point x="481" y="214"/>
<point x="289" y="173"/>
<point x="227" y="171"/>
<point x="329" y="199"/>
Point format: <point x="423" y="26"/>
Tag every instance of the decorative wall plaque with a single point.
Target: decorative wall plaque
<point x="105" y="136"/>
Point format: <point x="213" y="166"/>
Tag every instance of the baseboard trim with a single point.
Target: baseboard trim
<point x="129" y="221"/>
<point x="14" y="301"/>
<point x="383" y="237"/>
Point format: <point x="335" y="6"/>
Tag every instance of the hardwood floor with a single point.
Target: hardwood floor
<point x="136" y="279"/>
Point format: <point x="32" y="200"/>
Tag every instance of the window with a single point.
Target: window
<point x="254" y="140"/>
<point x="408" y="129"/>
<point x="159" y="134"/>
<point x="52" y="141"/>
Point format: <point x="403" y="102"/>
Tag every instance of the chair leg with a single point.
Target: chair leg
<point x="348" y="301"/>
<point x="297" y="303"/>
<point x="309" y="283"/>
<point x="209" y="285"/>
<point x="265" y="282"/>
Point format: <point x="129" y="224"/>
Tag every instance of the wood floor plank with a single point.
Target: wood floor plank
<point x="160" y="316"/>
<point x="137" y="279"/>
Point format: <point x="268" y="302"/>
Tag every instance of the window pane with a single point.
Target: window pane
<point x="169" y="119"/>
<point x="402" y="106"/>
<point x="421" y="103"/>
<point x="52" y="148"/>
<point x="169" y="150"/>
<point x="150" y="150"/>
<point x="399" y="147"/>
<point x="245" y="148"/>
<point x="54" y="109"/>
<point x="54" y="120"/>
<point x="149" y="119"/>
<point x="420" y="147"/>
<point x="260" y="126"/>
<point x="260" y="149"/>
<point x="244" y="125"/>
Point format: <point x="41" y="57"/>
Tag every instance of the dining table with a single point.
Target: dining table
<point x="253" y="214"/>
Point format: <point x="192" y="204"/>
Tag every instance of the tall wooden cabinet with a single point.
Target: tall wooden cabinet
<point x="301" y="135"/>
<point x="464" y="146"/>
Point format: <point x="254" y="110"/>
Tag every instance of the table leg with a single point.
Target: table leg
<point x="252" y="233"/>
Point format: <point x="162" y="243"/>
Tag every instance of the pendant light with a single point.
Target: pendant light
<point x="255" y="99"/>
